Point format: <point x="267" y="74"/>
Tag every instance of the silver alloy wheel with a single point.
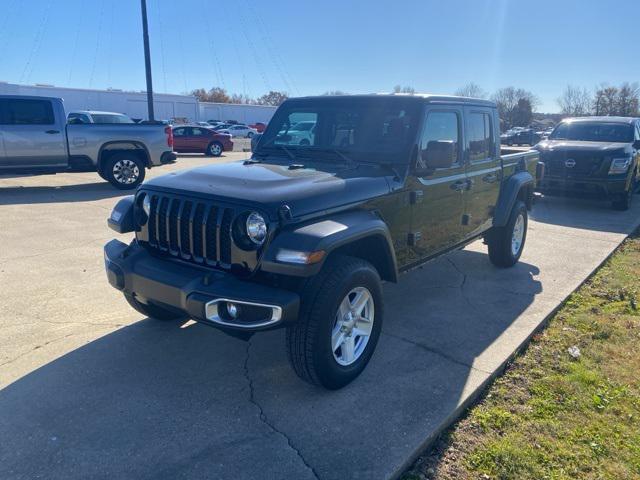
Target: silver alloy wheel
<point x="353" y="326"/>
<point x="215" y="149"/>
<point x="518" y="235"/>
<point x="126" y="171"/>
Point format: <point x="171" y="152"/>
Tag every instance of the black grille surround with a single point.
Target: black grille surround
<point x="586" y="164"/>
<point x="194" y="230"/>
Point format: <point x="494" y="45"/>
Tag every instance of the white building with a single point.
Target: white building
<point x="134" y="104"/>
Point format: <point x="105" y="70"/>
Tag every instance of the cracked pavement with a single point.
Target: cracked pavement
<point x="90" y="389"/>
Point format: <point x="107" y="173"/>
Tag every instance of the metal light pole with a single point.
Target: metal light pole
<point x="147" y="59"/>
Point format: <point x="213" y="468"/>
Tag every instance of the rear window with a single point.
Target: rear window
<point x="26" y="112"/>
<point x="593" y="132"/>
<point x="107" y="118"/>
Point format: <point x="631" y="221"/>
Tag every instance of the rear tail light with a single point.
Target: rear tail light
<point x="169" y="132"/>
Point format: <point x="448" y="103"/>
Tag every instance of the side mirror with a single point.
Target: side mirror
<point x="439" y="154"/>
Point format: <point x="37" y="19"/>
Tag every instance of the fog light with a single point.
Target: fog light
<point x="233" y="310"/>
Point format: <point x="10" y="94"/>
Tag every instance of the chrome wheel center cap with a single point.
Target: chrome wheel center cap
<point x="349" y="322"/>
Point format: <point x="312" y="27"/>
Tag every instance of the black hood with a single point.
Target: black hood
<point x="305" y="190"/>
<point x="573" y="146"/>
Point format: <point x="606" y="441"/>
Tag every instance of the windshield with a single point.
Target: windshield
<point x="110" y="118"/>
<point x="378" y="129"/>
<point x="593" y="132"/>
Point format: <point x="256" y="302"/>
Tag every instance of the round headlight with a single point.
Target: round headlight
<point x="146" y="204"/>
<point x="256" y="228"/>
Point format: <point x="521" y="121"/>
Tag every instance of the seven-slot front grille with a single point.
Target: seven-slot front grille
<point x="190" y="229"/>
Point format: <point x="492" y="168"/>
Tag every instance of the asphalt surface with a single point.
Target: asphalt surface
<point x="90" y="389"/>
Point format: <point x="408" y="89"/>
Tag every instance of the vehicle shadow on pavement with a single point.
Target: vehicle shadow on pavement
<point x="584" y="213"/>
<point x="154" y="400"/>
<point x="81" y="192"/>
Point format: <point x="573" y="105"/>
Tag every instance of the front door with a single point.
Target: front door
<point x="438" y="198"/>
<point x="484" y="169"/>
<point x="180" y="141"/>
<point x="30" y="134"/>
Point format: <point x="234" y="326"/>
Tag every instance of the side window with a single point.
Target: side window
<point x="289" y="133"/>
<point x="179" y="132"/>
<point x="441" y="127"/>
<point x="197" y="132"/>
<point x="479" y="132"/>
<point x="27" y="112"/>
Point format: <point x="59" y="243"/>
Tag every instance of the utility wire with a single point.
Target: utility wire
<point x="161" y="35"/>
<point x="254" y="51"/>
<point x="74" y="51"/>
<point x="269" y="45"/>
<point x="215" y="60"/>
<point x="28" y="69"/>
<point x="99" y="35"/>
<point x="4" y="34"/>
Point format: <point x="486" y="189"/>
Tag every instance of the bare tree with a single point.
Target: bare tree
<point x="575" y="101"/>
<point x="216" y="95"/>
<point x="515" y="106"/>
<point x="606" y="100"/>
<point x="272" y="98"/>
<point x="628" y="100"/>
<point x="405" y="89"/>
<point x="471" y="90"/>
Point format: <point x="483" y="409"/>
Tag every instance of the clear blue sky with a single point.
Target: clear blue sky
<point x="309" y="47"/>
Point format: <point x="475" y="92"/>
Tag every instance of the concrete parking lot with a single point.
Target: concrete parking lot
<point x="90" y="389"/>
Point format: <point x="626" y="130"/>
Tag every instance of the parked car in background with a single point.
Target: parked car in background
<point x="301" y="237"/>
<point x="214" y="123"/>
<point x="596" y="155"/>
<point x="203" y="124"/>
<point x="258" y="126"/>
<point x="91" y="116"/>
<point x="302" y="133"/>
<point x="222" y="126"/>
<point x="196" y="139"/>
<point x="35" y="137"/>
<point x="520" y="137"/>
<point x="243" y="131"/>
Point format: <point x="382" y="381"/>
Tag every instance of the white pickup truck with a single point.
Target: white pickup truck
<point x="35" y="138"/>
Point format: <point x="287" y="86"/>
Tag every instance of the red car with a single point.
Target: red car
<point x="259" y="126"/>
<point x="188" y="139"/>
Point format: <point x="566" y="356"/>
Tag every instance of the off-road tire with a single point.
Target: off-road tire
<point x="153" y="311"/>
<point x="212" y="151"/>
<point x="308" y="340"/>
<point x="119" y="157"/>
<point x="499" y="239"/>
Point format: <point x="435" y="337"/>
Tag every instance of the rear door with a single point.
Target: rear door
<point x="484" y="169"/>
<point x="31" y="135"/>
<point x="438" y="198"/>
<point x="180" y="140"/>
<point x="199" y="139"/>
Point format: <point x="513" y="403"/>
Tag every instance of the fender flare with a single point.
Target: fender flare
<point x="330" y="234"/>
<point x="509" y="195"/>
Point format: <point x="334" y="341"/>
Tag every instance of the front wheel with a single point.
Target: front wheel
<point x="250" y="135"/>
<point x="215" y="149"/>
<point x="124" y="171"/>
<point x="506" y="243"/>
<point x="340" y="323"/>
<point x="624" y="201"/>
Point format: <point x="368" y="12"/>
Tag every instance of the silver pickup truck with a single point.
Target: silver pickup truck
<point x="35" y="138"/>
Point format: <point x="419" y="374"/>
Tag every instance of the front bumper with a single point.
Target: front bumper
<point x="196" y="291"/>
<point x="608" y="188"/>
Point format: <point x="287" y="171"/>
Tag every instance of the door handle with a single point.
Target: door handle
<point x="52" y="132"/>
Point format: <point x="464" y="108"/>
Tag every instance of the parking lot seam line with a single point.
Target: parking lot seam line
<point x="436" y="352"/>
<point x="263" y="417"/>
<point x="38" y="347"/>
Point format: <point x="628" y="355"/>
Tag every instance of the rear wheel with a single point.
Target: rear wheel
<point x="340" y="323"/>
<point x="153" y="311"/>
<point x="124" y="171"/>
<point x="250" y="135"/>
<point x="506" y="243"/>
<point x="215" y="149"/>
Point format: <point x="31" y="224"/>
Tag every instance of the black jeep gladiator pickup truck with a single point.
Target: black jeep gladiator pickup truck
<point x="593" y="155"/>
<point x="302" y="234"/>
